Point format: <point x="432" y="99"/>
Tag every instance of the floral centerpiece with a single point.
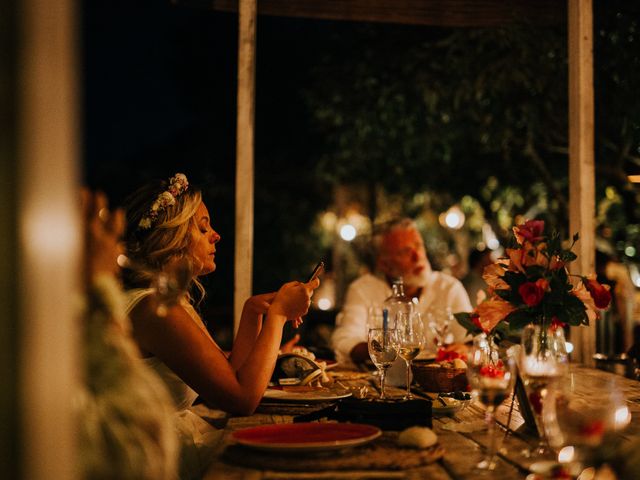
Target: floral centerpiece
<point x="531" y="285"/>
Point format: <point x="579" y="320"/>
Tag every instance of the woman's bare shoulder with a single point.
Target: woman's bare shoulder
<point x="151" y="326"/>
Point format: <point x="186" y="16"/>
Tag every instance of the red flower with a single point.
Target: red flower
<point x="475" y="318"/>
<point x="533" y="292"/>
<point x="600" y="293"/>
<point x="556" y="324"/>
<point x="530" y="231"/>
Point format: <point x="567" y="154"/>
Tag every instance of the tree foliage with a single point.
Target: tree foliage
<point x="409" y="109"/>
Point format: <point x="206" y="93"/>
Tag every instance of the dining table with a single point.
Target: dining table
<point x="461" y="438"/>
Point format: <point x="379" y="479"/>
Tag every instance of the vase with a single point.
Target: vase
<point x="543" y="361"/>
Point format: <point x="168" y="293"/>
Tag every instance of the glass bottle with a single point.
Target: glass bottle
<point x="397" y="302"/>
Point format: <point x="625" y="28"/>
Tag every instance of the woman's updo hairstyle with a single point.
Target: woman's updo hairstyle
<point x="159" y="219"/>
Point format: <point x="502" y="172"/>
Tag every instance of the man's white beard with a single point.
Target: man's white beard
<point x="417" y="280"/>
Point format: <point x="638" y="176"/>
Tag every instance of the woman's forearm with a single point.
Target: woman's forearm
<point x="248" y="332"/>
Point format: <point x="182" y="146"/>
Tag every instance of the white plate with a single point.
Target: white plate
<point x="321" y="395"/>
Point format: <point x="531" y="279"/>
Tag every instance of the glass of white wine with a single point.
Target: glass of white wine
<point x="383" y="350"/>
<point x="411" y="338"/>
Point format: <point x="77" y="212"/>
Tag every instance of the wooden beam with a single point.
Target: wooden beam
<point x="449" y="13"/>
<point x="50" y="244"/>
<point x="581" y="156"/>
<point x="243" y="277"/>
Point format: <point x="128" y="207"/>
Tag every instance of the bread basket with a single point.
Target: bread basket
<point x="439" y="379"/>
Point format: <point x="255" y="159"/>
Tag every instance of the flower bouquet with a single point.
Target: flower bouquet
<point x="531" y="289"/>
<point x="531" y="285"/>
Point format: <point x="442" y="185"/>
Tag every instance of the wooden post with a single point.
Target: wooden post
<point x="49" y="243"/>
<point x="581" y="157"/>
<point x="244" y="157"/>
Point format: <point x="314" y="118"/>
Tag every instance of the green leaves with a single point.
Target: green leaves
<point x="519" y="319"/>
<point x="464" y="319"/>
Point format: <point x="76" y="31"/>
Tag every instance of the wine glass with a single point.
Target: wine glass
<point x="374" y="317"/>
<point x="171" y="283"/>
<point x="491" y="378"/>
<point x="578" y="413"/>
<point x="439" y="323"/>
<point x="410" y="331"/>
<point x="383" y="350"/>
<point x="543" y="362"/>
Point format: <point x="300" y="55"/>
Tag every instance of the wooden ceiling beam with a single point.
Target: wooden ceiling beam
<point x="444" y="13"/>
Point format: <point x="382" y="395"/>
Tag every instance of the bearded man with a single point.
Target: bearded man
<point x="400" y="252"/>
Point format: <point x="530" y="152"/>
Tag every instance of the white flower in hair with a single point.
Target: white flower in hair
<point x="178" y="184"/>
<point x="166" y="199"/>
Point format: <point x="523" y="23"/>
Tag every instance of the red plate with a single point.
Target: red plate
<point x="306" y="436"/>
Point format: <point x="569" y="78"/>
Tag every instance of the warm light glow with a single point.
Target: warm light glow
<point x="453" y="218"/>
<point x="634" y="178"/>
<point x="493" y="244"/>
<point x="566" y="454"/>
<point x="324" y="304"/>
<point x="588" y="473"/>
<point x="622" y="417"/>
<point x="122" y="261"/>
<point x="489" y="237"/>
<point x="348" y="232"/>
<point x="569" y="347"/>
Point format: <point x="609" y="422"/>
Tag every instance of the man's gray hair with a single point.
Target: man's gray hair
<point x="382" y="229"/>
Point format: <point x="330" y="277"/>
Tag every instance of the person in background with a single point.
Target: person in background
<point x="473" y="282"/>
<point x="126" y="427"/>
<point x="399" y="252"/>
<point x="170" y="243"/>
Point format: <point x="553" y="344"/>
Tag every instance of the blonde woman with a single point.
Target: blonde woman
<point x="168" y="223"/>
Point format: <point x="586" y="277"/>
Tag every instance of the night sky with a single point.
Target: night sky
<point x="160" y="97"/>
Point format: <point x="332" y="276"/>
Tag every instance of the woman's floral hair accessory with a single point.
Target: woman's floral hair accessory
<point x="178" y="184"/>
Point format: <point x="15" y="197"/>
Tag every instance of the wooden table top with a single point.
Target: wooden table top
<point x="462" y="449"/>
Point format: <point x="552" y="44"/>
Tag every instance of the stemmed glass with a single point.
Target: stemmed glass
<point x="410" y="341"/>
<point x="578" y="413"/>
<point x="543" y="361"/>
<point x="171" y="283"/>
<point x="383" y="350"/>
<point x="491" y="379"/>
<point x="439" y="322"/>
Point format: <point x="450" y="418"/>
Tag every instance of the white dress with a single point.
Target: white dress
<point x="199" y="438"/>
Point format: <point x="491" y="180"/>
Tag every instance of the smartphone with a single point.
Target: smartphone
<point x="316" y="271"/>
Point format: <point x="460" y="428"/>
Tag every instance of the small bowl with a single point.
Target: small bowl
<point x="434" y="378"/>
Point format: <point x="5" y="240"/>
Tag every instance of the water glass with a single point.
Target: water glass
<point x="439" y="321"/>
<point x="383" y="350"/>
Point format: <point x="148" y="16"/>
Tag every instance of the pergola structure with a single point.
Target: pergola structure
<point x="38" y="215"/>
<point x="451" y="13"/>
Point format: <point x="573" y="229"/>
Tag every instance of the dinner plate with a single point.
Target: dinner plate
<point x="299" y="437"/>
<point x="290" y="395"/>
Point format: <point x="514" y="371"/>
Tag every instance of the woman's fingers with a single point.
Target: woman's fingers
<point x="312" y="285"/>
<point x="287" y="347"/>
